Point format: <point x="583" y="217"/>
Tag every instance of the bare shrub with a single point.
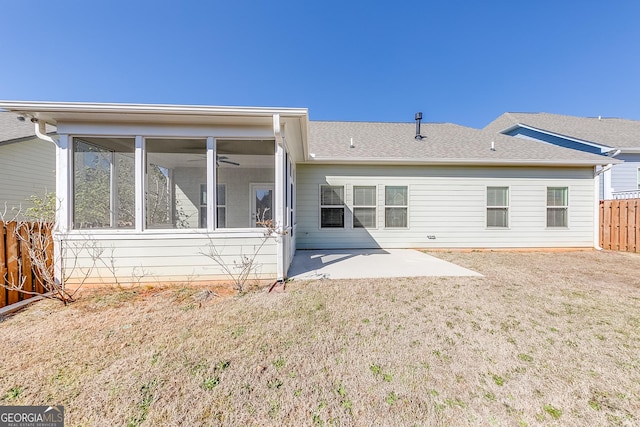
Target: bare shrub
<point x="42" y="251"/>
<point x="241" y="270"/>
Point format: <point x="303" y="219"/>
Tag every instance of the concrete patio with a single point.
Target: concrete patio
<point x="370" y="263"/>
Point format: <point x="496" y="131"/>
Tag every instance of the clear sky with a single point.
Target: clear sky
<point x="457" y="61"/>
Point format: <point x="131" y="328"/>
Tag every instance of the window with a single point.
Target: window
<point x="221" y="205"/>
<point x="331" y="206"/>
<point x="246" y="168"/>
<point x="103" y="183"/>
<point x="175" y="169"/>
<point x="364" y="206"/>
<point x="557" y="206"/>
<point x="638" y="179"/>
<point x="498" y="207"/>
<point x="396" y="200"/>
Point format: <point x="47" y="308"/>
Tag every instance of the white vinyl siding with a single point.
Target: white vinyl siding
<point x="364" y="206"/>
<point x="156" y="259"/>
<point x="557" y="206"/>
<point x="331" y="206"/>
<point x="448" y="207"/>
<point x="27" y="168"/>
<point x="498" y="207"/>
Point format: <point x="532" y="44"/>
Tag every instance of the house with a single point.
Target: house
<point x="146" y="191"/>
<point x="27" y="165"/>
<point x="616" y="138"/>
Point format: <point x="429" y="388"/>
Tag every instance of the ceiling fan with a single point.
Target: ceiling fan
<point x="219" y="159"/>
<point x="225" y="159"/>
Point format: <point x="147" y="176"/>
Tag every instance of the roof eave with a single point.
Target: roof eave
<point x="603" y="147"/>
<point x="464" y="162"/>
<point x="90" y="107"/>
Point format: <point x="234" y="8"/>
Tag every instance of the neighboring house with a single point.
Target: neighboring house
<point x="146" y="189"/>
<point x="27" y="164"/>
<point x="619" y="138"/>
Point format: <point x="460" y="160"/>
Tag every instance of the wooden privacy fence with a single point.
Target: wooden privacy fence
<point x="620" y="225"/>
<point x="24" y="248"/>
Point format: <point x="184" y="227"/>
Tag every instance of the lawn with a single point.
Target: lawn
<point x="541" y="339"/>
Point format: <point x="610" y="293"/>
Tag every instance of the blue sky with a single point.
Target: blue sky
<point x="457" y="61"/>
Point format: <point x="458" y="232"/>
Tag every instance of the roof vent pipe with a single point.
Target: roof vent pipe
<point x="419" y="137"/>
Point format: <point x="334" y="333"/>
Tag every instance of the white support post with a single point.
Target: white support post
<point x="279" y="202"/>
<point x="279" y="219"/>
<point x="211" y="184"/>
<point x="596" y="209"/>
<point x="140" y="174"/>
<point x="606" y="178"/>
<point x="64" y="164"/>
<point x="63" y="183"/>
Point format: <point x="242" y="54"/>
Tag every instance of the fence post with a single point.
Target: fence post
<point x="3" y="264"/>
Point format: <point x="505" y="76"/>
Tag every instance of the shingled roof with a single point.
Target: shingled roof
<point x="444" y="143"/>
<point x="13" y="129"/>
<point x="608" y="132"/>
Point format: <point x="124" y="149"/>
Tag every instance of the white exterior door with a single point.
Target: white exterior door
<point x="262" y="196"/>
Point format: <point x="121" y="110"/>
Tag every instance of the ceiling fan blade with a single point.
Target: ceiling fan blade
<point x="228" y="162"/>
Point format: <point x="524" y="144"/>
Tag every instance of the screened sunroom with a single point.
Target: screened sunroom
<point x="144" y="191"/>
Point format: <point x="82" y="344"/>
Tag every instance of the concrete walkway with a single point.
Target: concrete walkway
<point x="370" y="263"/>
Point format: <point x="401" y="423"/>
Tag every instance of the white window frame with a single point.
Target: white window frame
<point x="374" y="206"/>
<point x="343" y="206"/>
<point x="505" y="207"/>
<point x="395" y="207"/>
<point x="220" y="188"/>
<point x="558" y="207"/>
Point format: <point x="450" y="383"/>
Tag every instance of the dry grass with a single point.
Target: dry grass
<point x="541" y="339"/>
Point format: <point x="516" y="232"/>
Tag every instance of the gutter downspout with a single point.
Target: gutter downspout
<point x="41" y="131"/>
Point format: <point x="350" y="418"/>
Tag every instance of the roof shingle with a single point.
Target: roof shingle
<point x="443" y="143"/>
<point x="609" y="132"/>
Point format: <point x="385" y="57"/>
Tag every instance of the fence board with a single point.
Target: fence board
<point x="620" y="225"/>
<point x="13" y="270"/>
<point x="3" y="265"/>
<point x="16" y="266"/>
<point x="25" y="261"/>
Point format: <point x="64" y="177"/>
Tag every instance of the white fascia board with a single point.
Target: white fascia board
<point x="90" y="107"/>
<point x="465" y="162"/>
<point x="603" y="148"/>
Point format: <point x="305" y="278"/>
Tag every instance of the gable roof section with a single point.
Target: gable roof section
<point x="605" y="132"/>
<point x="444" y="143"/>
<point x="12" y="129"/>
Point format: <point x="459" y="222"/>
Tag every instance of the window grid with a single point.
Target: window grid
<point x="396" y="206"/>
<point x="221" y="205"/>
<point x="364" y="206"/>
<point x="332" y="206"/>
<point x="557" y="207"/>
<point x="498" y="207"/>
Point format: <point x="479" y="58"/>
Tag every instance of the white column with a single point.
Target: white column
<point x="608" y="190"/>
<point x="64" y="164"/>
<point x="140" y="174"/>
<point x="63" y="182"/>
<point x="212" y="210"/>
<point x="279" y="202"/>
<point x="596" y="209"/>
